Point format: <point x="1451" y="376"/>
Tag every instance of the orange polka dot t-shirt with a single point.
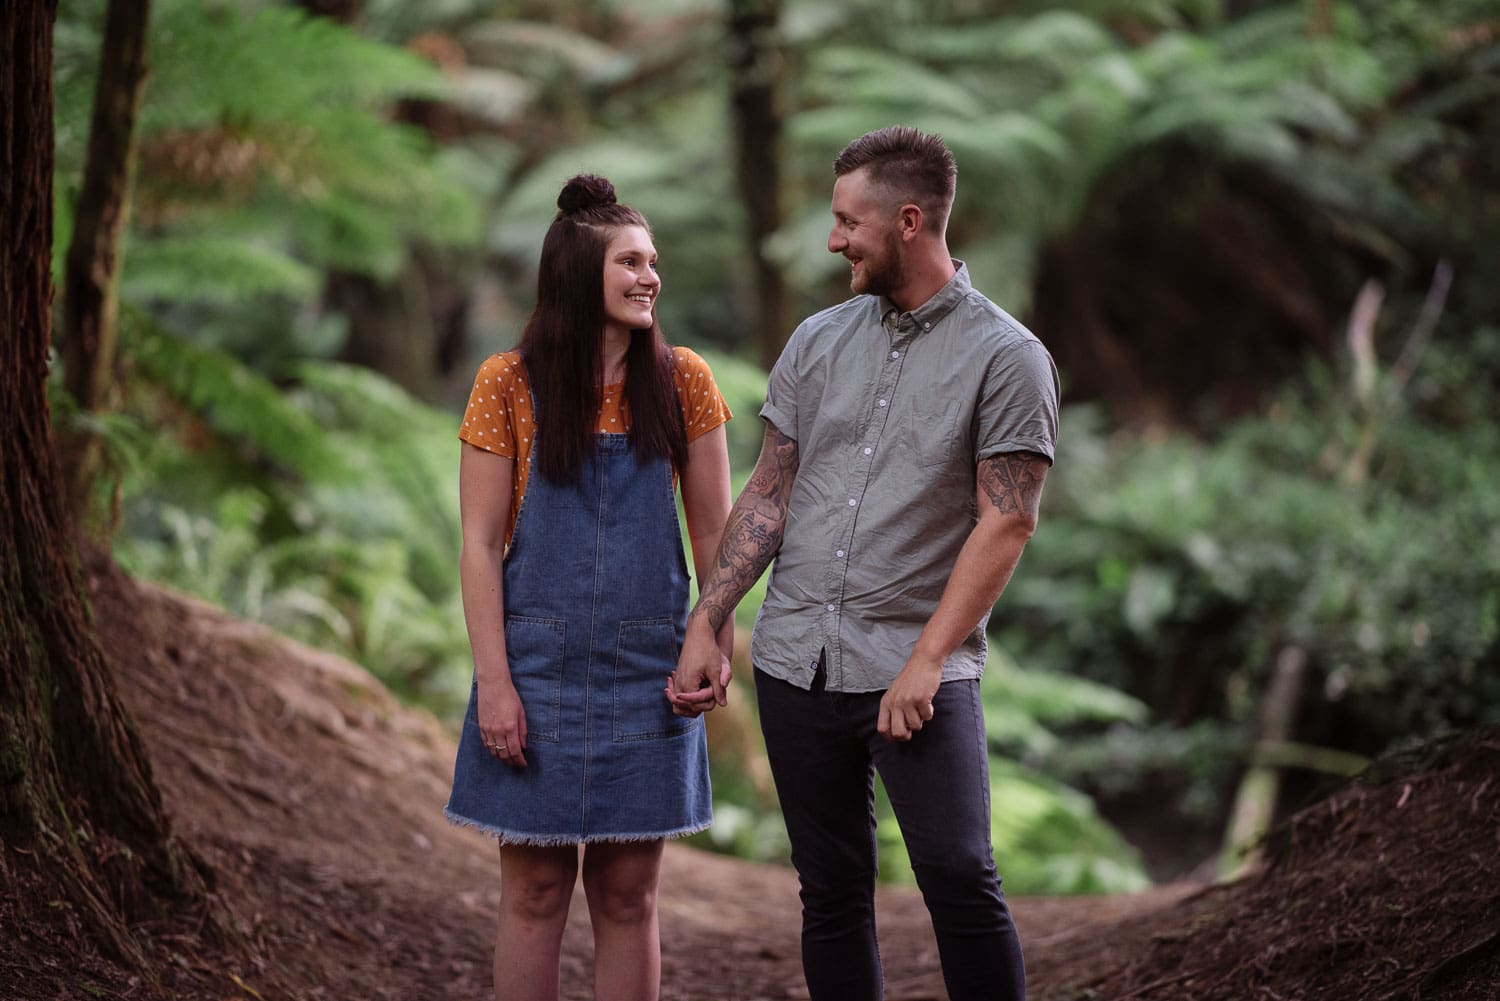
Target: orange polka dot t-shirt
<point x="499" y="418"/>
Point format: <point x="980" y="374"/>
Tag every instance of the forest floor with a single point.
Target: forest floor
<point x="315" y="800"/>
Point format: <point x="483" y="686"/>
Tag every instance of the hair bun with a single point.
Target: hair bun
<point x="585" y="191"/>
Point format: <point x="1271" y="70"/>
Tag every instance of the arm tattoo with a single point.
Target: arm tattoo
<point x="1013" y="482"/>
<point x="752" y="535"/>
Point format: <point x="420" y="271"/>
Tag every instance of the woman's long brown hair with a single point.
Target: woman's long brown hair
<point x="562" y="345"/>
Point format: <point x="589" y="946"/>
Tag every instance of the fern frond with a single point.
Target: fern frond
<point x="882" y="79"/>
<point x="231" y="398"/>
<point x="536" y="45"/>
<point x="215" y="66"/>
<point x="201" y="268"/>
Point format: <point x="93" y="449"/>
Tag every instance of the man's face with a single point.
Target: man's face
<point x="865" y="232"/>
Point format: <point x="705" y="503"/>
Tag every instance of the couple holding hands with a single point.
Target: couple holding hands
<point x="908" y="432"/>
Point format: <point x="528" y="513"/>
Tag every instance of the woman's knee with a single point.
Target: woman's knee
<point x="622" y="887"/>
<point x="538" y="885"/>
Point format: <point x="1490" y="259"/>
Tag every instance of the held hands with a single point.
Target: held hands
<point x="907" y="704"/>
<point x="702" y="675"/>
<point x="502" y="721"/>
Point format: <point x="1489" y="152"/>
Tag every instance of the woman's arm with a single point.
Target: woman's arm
<point x="705" y="501"/>
<point x="484" y="486"/>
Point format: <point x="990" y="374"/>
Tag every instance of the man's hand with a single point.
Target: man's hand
<point x="907" y="704"/>
<point x="703" y="672"/>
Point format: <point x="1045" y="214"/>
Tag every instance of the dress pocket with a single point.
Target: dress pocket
<point x="645" y="654"/>
<point x="534" y="647"/>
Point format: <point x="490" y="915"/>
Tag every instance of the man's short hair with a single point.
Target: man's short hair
<point x="908" y="165"/>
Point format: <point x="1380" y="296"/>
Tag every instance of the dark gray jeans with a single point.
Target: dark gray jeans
<point x="824" y="752"/>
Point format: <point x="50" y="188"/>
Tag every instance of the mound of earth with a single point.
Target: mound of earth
<point x="314" y="800"/>
<point x="1389" y="889"/>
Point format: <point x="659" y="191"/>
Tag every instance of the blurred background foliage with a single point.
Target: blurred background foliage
<point x="1256" y="235"/>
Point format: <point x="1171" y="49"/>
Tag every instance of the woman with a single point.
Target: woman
<point x="575" y="595"/>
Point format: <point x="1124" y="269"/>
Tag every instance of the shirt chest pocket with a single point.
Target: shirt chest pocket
<point x="930" y="434"/>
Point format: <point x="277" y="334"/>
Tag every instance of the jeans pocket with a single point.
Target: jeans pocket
<point x="645" y="654"/>
<point x="534" y="647"/>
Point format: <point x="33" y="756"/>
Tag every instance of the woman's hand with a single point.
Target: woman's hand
<point x="502" y="721"/>
<point x="703" y="672"/>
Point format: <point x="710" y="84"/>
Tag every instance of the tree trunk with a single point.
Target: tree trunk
<point x="77" y="801"/>
<point x="91" y="276"/>
<point x="756" y="63"/>
<point x="391" y="326"/>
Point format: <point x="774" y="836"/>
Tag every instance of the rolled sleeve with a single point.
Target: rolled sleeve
<point x="1018" y="411"/>
<point x="780" y="407"/>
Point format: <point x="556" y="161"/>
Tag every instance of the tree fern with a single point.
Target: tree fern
<point x="214" y="268"/>
<point x="235" y="401"/>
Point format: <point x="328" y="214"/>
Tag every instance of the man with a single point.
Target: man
<point x="908" y="432"/>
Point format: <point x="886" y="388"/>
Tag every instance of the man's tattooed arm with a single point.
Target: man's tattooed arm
<point x="752" y="535"/>
<point x="1012" y="481"/>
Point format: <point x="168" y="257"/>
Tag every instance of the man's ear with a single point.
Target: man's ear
<point x="909" y="220"/>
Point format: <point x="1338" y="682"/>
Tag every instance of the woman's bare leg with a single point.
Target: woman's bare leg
<point x="620" y="881"/>
<point x="536" y="887"/>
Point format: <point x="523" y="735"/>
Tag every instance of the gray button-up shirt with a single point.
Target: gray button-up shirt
<point x="891" y="413"/>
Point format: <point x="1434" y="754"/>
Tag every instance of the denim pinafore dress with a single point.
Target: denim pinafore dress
<point x="596" y="593"/>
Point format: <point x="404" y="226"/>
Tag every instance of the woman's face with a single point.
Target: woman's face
<point x="630" y="281"/>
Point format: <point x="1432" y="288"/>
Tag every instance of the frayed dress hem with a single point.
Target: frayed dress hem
<point x="506" y="837"/>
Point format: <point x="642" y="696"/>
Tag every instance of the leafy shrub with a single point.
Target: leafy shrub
<point x="1175" y="569"/>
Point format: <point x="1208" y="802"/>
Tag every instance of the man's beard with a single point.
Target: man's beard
<point x="886" y="276"/>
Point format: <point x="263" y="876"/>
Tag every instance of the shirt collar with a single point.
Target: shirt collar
<point x="935" y="308"/>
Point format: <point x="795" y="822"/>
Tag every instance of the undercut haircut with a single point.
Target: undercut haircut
<point x="906" y="165"/>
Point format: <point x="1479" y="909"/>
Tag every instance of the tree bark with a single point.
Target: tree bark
<point x="91" y="275"/>
<point x="392" y="327"/>
<point x="77" y="801"/>
<point x="756" y="63"/>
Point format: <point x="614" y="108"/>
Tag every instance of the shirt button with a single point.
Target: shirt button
<point x="851" y="502"/>
<point x="926" y="326"/>
<point x="882" y="403"/>
<point x="867" y="451"/>
<point x="830" y="608"/>
<point x="895" y="355"/>
<point x="839" y="554"/>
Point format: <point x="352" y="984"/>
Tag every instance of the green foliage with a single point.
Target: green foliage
<point x="1176" y="569"/>
<point x="214" y="268"/>
<point x="1023" y="710"/>
<point x="1048" y="839"/>
<point x="327" y="510"/>
<point x="232" y="400"/>
<point x="322" y="501"/>
<point x="266" y="147"/>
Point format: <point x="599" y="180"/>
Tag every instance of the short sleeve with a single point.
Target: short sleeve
<point x="703" y="406"/>
<point x="489" y="419"/>
<point x="781" y="389"/>
<point x="1018" y="409"/>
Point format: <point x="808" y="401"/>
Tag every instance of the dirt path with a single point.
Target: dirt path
<point x="317" y="798"/>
